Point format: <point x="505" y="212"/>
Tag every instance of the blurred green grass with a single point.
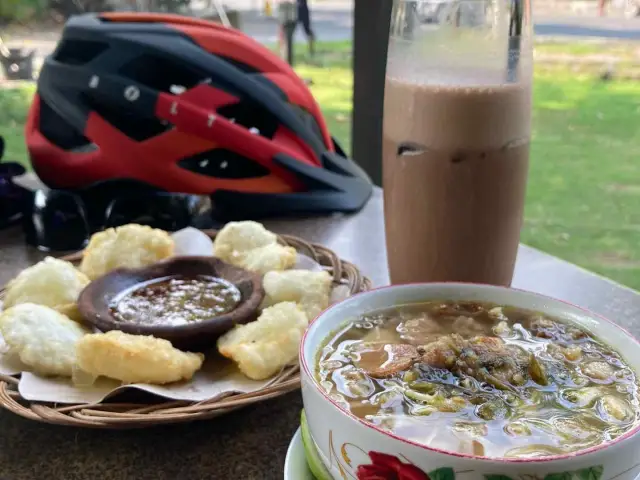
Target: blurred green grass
<point x="583" y="198"/>
<point x="14" y="103"/>
<point x="622" y="49"/>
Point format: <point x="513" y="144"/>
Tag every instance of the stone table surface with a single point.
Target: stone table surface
<point x="251" y="443"/>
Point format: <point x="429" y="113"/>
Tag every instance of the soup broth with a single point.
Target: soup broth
<point x="480" y="379"/>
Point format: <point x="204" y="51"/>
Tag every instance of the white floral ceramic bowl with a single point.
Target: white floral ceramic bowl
<point x="352" y="448"/>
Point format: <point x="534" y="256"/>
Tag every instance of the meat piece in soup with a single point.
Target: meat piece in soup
<point x="386" y="359"/>
<point x="492" y="380"/>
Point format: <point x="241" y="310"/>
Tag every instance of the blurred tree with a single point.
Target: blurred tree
<point x="20" y="10"/>
<point x="174" y="6"/>
<point x="12" y="11"/>
<point x="66" y="8"/>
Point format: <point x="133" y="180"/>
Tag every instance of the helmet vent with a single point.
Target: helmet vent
<point x="246" y="68"/>
<point x="132" y="125"/>
<point x="161" y="73"/>
<point x="308" y="120"/>
<point x="55" y="129"/>
<point x="78" y="52"/>
<point x="253" y="117"/>
<point x="221" y="163"/>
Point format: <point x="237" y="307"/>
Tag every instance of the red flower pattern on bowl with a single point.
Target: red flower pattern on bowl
<point x="388" y="467"/>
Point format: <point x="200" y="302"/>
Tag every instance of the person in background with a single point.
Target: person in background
<point x="602" y="7"/>
<point x="304" y="17"/>
<point x="268" y="8"/>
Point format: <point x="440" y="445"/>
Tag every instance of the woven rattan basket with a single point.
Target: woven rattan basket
<point x="150" y="411"/>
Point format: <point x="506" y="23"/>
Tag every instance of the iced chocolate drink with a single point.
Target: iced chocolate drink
<point x="455" y="162"/>
<point x="455" y="172"/>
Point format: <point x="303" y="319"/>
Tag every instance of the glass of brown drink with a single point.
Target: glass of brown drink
<point x="457" y="124"/>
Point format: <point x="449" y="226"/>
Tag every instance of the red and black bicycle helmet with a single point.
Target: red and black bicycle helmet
<point x="186" y="106"/>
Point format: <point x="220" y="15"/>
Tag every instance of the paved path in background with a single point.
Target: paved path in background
<point x="607" y="27"/>
<point x="333" y="21"/>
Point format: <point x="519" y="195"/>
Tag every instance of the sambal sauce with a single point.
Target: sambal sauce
<point x="176" y="300"/>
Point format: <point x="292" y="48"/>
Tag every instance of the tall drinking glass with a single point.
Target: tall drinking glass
<point x="457" y="124"/>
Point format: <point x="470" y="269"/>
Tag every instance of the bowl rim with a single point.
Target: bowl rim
<point x="551" y="458"/>
<point x="91" y="311"/>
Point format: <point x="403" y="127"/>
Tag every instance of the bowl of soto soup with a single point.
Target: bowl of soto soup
<point x="436" y="381"/>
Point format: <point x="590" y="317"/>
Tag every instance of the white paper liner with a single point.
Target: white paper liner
<point x="218" y="377"/>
